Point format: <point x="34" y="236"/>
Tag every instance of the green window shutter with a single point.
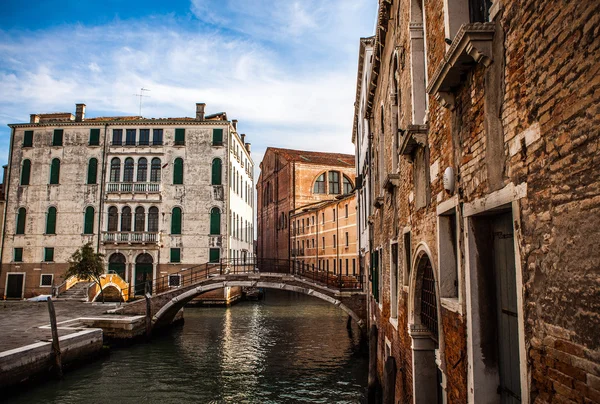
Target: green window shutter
<point x="175" y="255"/>
<point x="92" y="171"/>
<point x="179" y="136"/>
<point x="49" y="254"/>
<point x="215" y="221"/>
<point x="178" y="171"/>
<point x="216" y="172"/>
<point x="375" y="275"/>
<point x="51" y="221"/>
<point x="94" y="137"/>
<point x="55" y="171"/>
<point x="21" y="218"/>
<point x="217" y="137"/>
<point x="57" y="139"/>
<point x="88" y="226"/>
<point x="28" y="139"/>
<point x="176" y="221"/>
<point x="18" y="254"/>
<point x="214" y="255"/>
<point x="26" y="172"/>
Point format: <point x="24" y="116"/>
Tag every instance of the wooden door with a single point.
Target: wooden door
<point x="14" y="286"/>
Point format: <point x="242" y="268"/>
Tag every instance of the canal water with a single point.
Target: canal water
<point x="286" y="348"/>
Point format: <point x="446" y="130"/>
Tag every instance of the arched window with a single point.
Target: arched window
<point x="51" y="220"/>
<point x="88" y="221"/>
<point x="115" y="170"/>
<point x="153" y="219"/>
<point x="21" y="218"/>
<point x="25" y="172"/>
<point x="176" y="221"/>
<point x="155" y="170"/>
<point x="178" y="171"/>
<point x="140" y="219"/>
<point x="216" y="172"/>
<point x="142" y="170"/>
<point x="113" y="218"/>
<point x="215" y="221"/>
<point x="319" y="187"/>
<point x="126" y="219"/>
<point x="334" y="182"/>
<point x="347" y="185"/>
<point x="92" y="171"/>
<point x="128" y="170"/>
<point x="55" y="171"/>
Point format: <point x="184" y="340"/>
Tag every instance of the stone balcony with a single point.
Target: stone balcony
<point x="130" y="237"/>
<point x="133" y="188"/>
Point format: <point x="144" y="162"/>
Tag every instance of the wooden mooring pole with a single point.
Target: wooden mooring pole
<point x="148" y="298"/>
<point x="57" y="367"/>
<point x="372" y="382"/>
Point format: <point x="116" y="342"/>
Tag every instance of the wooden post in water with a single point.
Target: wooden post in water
<point x="372" y="384"/>
<point x="148" y="297"/>
<point x="55" y="345"/>
<point x="389" y="381"/>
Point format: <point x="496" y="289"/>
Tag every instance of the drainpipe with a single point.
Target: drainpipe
<point x="337" y="247"/>
<point x="6" y="193"/>
<point x="293" y="204"/>
<point x="102" y="187"/>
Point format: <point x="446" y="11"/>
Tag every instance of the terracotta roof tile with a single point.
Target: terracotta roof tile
<point x="304" y="156"/>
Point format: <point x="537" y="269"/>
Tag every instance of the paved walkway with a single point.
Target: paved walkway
<point x="20" y="320"/>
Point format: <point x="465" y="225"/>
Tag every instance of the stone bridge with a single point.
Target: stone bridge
<point x="165" y="305"/>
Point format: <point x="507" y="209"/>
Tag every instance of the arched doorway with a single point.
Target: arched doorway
<point x="427" y="374"/>
<point x="143" y="273"/>
<point x="116" y="264"/>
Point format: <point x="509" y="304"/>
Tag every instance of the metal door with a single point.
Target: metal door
<point x="506" y="295"/>
<point x="14" y="286"/>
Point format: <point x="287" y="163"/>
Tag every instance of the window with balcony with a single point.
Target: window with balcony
<point x="88" y="220"/>
<point x="117" y="139"/>
<point x="217" y="137"/>
<point x="215" y="221"/>
<point x="157" y="137"/>
<point x="28" y="139"/>
<point x="142" y="170"/>
<point x="178" y="171"/>
<point x="179" y="137"/>
<point x="25" y="172"/>
<point x="130" y="135"/>
<point x="140" y="219"/>
<point x="21" y="219"/>
<point x="153" y="219"/>
<point x="126" y="219"/>
<point x="94" y="137"/>
<point x="115" y="170"/>
<point x="128" y="170"/>
<point x="155" y="168"/>
<point x="51" y="220"/>
<point x="55" y="171"/>
<point x="57" y="138"/>
<point x="92" y="171"/>
<point x="113" y="219"/>
<point x="176" y="221"/>
<point x="144" y="137"/>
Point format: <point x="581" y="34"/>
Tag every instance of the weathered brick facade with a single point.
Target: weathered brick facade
<point x="510" y="121"/>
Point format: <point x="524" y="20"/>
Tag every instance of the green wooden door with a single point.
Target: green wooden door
<point x="118" y="268"/>
<point x="143" y="274"/>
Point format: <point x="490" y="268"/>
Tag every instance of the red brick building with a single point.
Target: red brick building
<point x="484" y="124"/>
<point x="288" y="180"/>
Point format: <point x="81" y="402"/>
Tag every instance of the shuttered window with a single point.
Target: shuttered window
<point x="94" y="137"/>
<point x="57" y="139"/>
<point x="217" y="137"/>
<point x="55" y="171"/>
<point x="28" y="139"/>
<point x="92" y="171"/>
<point x="49" y="254"/>
<point x="51" y="221"/>
<point x="215" y="221"/>
<point x="21" y="217"/>
<point x="18" y="254"/>
<point x="215" y="255"/>
<point x="144" y="137"/>
<point x="176" y="221"/>
<point x="117" y="137"/>
<point x="88" y="222"/>
<point x="178" y="171"/>
<point x="375" y="275"/>
<point x="216" y="172"/>
<point x="175" y="255"/>
<point x="179" y="137"/>
<point x="25" y="172"/>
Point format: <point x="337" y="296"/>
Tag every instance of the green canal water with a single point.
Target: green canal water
<point x="286" y="348"/>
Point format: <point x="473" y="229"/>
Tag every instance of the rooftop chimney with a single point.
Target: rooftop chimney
<point x="243" y="136"/>
<point x="34" y="118"/>
<point x="234" y="123"/>
<point x="79" y="112"/>
<point x="200" y="111"/>
<point x="248" y="147"/>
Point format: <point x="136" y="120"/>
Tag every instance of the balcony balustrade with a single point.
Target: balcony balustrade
<point x="133" y="187"/>
<point x="130" y="237"/>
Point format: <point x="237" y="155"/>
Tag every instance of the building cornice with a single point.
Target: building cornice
<point x="148" y="122"/>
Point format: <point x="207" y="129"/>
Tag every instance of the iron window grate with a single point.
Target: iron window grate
<point x="428" y="302"/>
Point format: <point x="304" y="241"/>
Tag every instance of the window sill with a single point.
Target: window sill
<point x="413" y="137"/>
<point x="45" y="286"/>
<point x="93" y="145"/>
<point x="451" y="304"/>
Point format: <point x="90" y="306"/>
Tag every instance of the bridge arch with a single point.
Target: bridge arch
<point x="168" y="311"/>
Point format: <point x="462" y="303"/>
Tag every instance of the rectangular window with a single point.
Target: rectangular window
<point x="334" y="182"/>
<point x="49" y="254"/>
<point x="375" y="275"/>
<point x="174" y="280"/>
<point x="217" y="137"/>
<point x="46" y="280"/>
<point x="394" y="281"/>
<point x="448" y="247"/>
<point x="407" y="258"/>
<point x="334" y="214"/>
<point x="157" y="137"/>
<point x="57" y="139"/>
<point x="94" y="137"/>
<point x="18" y="254"/>
<point x="347" y="267"/>
<point x="346" y="211"/>
<point x="179" y="137"/>
<point x="175" y="255"/>
<point x="144" y="137"/>
<point x="117" y="139"/>
<point x="323" y="246"/>
<point x="28" y="139"/>
<point x="334" y="242"/>
<point x="353" y="266"/>
<point x="130" y="137"/>
<point x="323" y="218"/>
<point x="334" y="266"/>
<point x="347" y="240"/>
<point x="215" y="255"/>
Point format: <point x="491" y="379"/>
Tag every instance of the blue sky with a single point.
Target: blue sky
<point x="285" y="69"/>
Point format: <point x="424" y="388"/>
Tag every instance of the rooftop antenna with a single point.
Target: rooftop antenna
<point x="141" y="95"/>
